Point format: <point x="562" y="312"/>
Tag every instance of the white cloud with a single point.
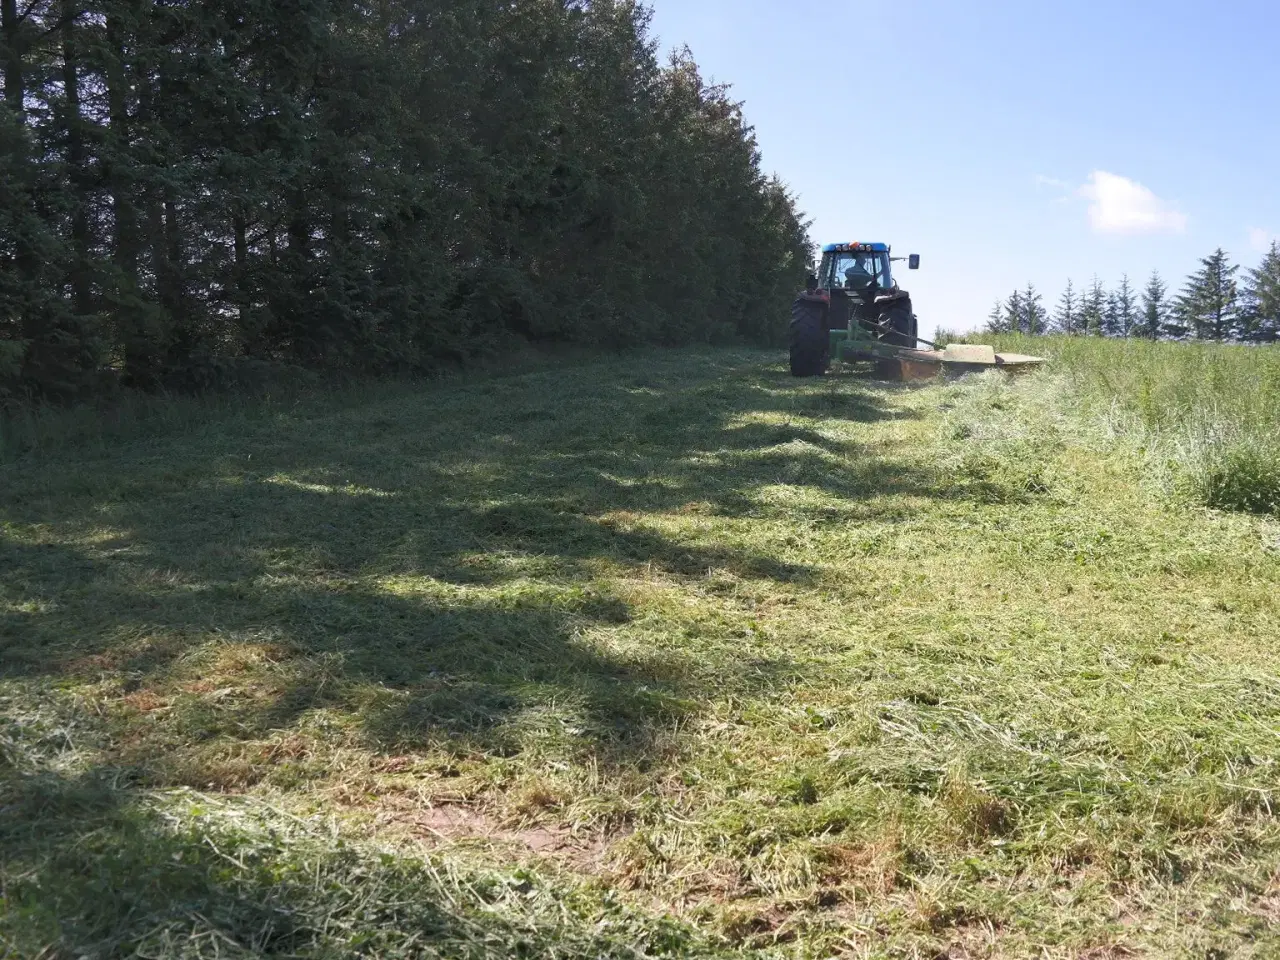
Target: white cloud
<point x="1119" y="205"/>
<point x="1261" y="240"/>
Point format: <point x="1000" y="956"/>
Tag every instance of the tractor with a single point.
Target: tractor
<point x="852" y="309"/>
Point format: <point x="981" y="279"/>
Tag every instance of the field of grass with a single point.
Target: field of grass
<point x="1206" y="417"/>
<point x="665" y="656"/>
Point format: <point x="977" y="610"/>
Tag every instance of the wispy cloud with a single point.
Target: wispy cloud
<point x="1051" y="182"/>
<point x="1061" y="188"/>
<point x="1261" y="240"/>
<point x="1118" y="205"/>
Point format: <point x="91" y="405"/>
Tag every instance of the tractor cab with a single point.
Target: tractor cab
<point x="861" y="270"/>
<point x="858" y="271"/>
<point x="857" y="279"/>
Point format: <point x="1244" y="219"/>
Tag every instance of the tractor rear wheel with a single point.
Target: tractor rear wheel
<point x="903" y="323"/>
<point x="809" y="347"/>
<point x="810" y="344"/>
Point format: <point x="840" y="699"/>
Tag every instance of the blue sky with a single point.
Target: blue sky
<point x="1008" y="142"/>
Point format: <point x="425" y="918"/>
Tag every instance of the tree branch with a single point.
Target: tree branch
<point x="63" y="21"/>
<point x="22" y="17"/>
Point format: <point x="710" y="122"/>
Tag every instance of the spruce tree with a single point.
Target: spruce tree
<point x="1093" y="309"/>
<point x="1126" y="309"/>
<point x="1034" y="317"/>
<point x="996" y="321"/>
<point x="1111" y="316"/>
<point x="414" y="182"/>
<point x="1015" y="313"/>
<point x="1155" y="309"/>
<point x="1209" y="303"/>
<point x="48" y="342"/>
<point x="1178" y="323"/>
<point x="1066" y="317"/>
<point x="1262" y="297"/>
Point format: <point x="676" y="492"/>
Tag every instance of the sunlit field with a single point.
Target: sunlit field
<point x="668" y="655"/>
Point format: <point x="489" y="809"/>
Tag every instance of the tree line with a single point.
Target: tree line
<point x="191" y="189"/>
<point x="1217" y="302"/>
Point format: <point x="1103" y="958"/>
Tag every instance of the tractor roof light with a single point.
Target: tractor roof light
<point x="856" y="248"/>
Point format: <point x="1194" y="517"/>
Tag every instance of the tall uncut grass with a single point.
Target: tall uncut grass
<point x="1206" y="417"/>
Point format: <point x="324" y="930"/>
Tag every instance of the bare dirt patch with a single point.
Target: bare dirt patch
<point x="454" y="823"/>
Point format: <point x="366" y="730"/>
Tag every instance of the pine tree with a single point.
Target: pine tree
<point x="48" y="346"/>
<point x="415" y="181"/>
<point x="1034" y="317"/>
<point x="1262" y="297"/>
<point x="996" y="322"/>
<point x="1093" y="309"/>
<point x="1066" y="317"/>
<point x="1111" y="316"/>
<point x="1155" y="310"/>
<point x="1126" y="309"/>
<point x="1209" y="303"/>
<point x="1178" y="323"/>
<point x="1015" y="313"/>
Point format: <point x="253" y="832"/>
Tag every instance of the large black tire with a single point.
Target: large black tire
<point x="903" y="324"/>
<point x="810" y="344"/>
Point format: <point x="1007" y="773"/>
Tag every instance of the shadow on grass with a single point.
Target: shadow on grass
<point x="468" y="675"/>
<point x="89" y="871"/>
<point x="443" y="571"/>
<point x="431" y="569"/>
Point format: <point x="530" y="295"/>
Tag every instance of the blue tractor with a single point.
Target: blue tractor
<point x="852" y="309"/>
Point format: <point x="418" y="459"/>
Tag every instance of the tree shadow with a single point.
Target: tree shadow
<point x="89" y="870"/>
<point x="452" y="571"/>
<point x="434" y="573"/>
<point x="441" y="668"/>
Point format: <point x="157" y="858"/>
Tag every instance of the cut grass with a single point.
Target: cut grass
<point x="705" y="658"/>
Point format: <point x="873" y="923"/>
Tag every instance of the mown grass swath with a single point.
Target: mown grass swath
<point x="671" y="656"/>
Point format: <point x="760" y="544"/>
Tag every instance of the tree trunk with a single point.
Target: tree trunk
<point x="15" y="91"/>
<point x="173" y="289"/>
<point x="169" y="258"/>
<point x="14" y="80"/>
<point x="81" y="274"/>
<point x="240" y="269"/>
<point x="303" y="335"/>
<point x="125" y="248"/>
<point x="141" y="339"/>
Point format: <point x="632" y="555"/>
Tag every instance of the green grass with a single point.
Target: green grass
<point x="665" y="656"/>
<point x="1205" y="417"/>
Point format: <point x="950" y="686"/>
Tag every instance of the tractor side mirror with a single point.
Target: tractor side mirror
<point x="811" y="283"/>
<point x="913" y="262"/>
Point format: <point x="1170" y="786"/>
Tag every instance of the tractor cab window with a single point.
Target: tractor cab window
<point x="856" y="270"/>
